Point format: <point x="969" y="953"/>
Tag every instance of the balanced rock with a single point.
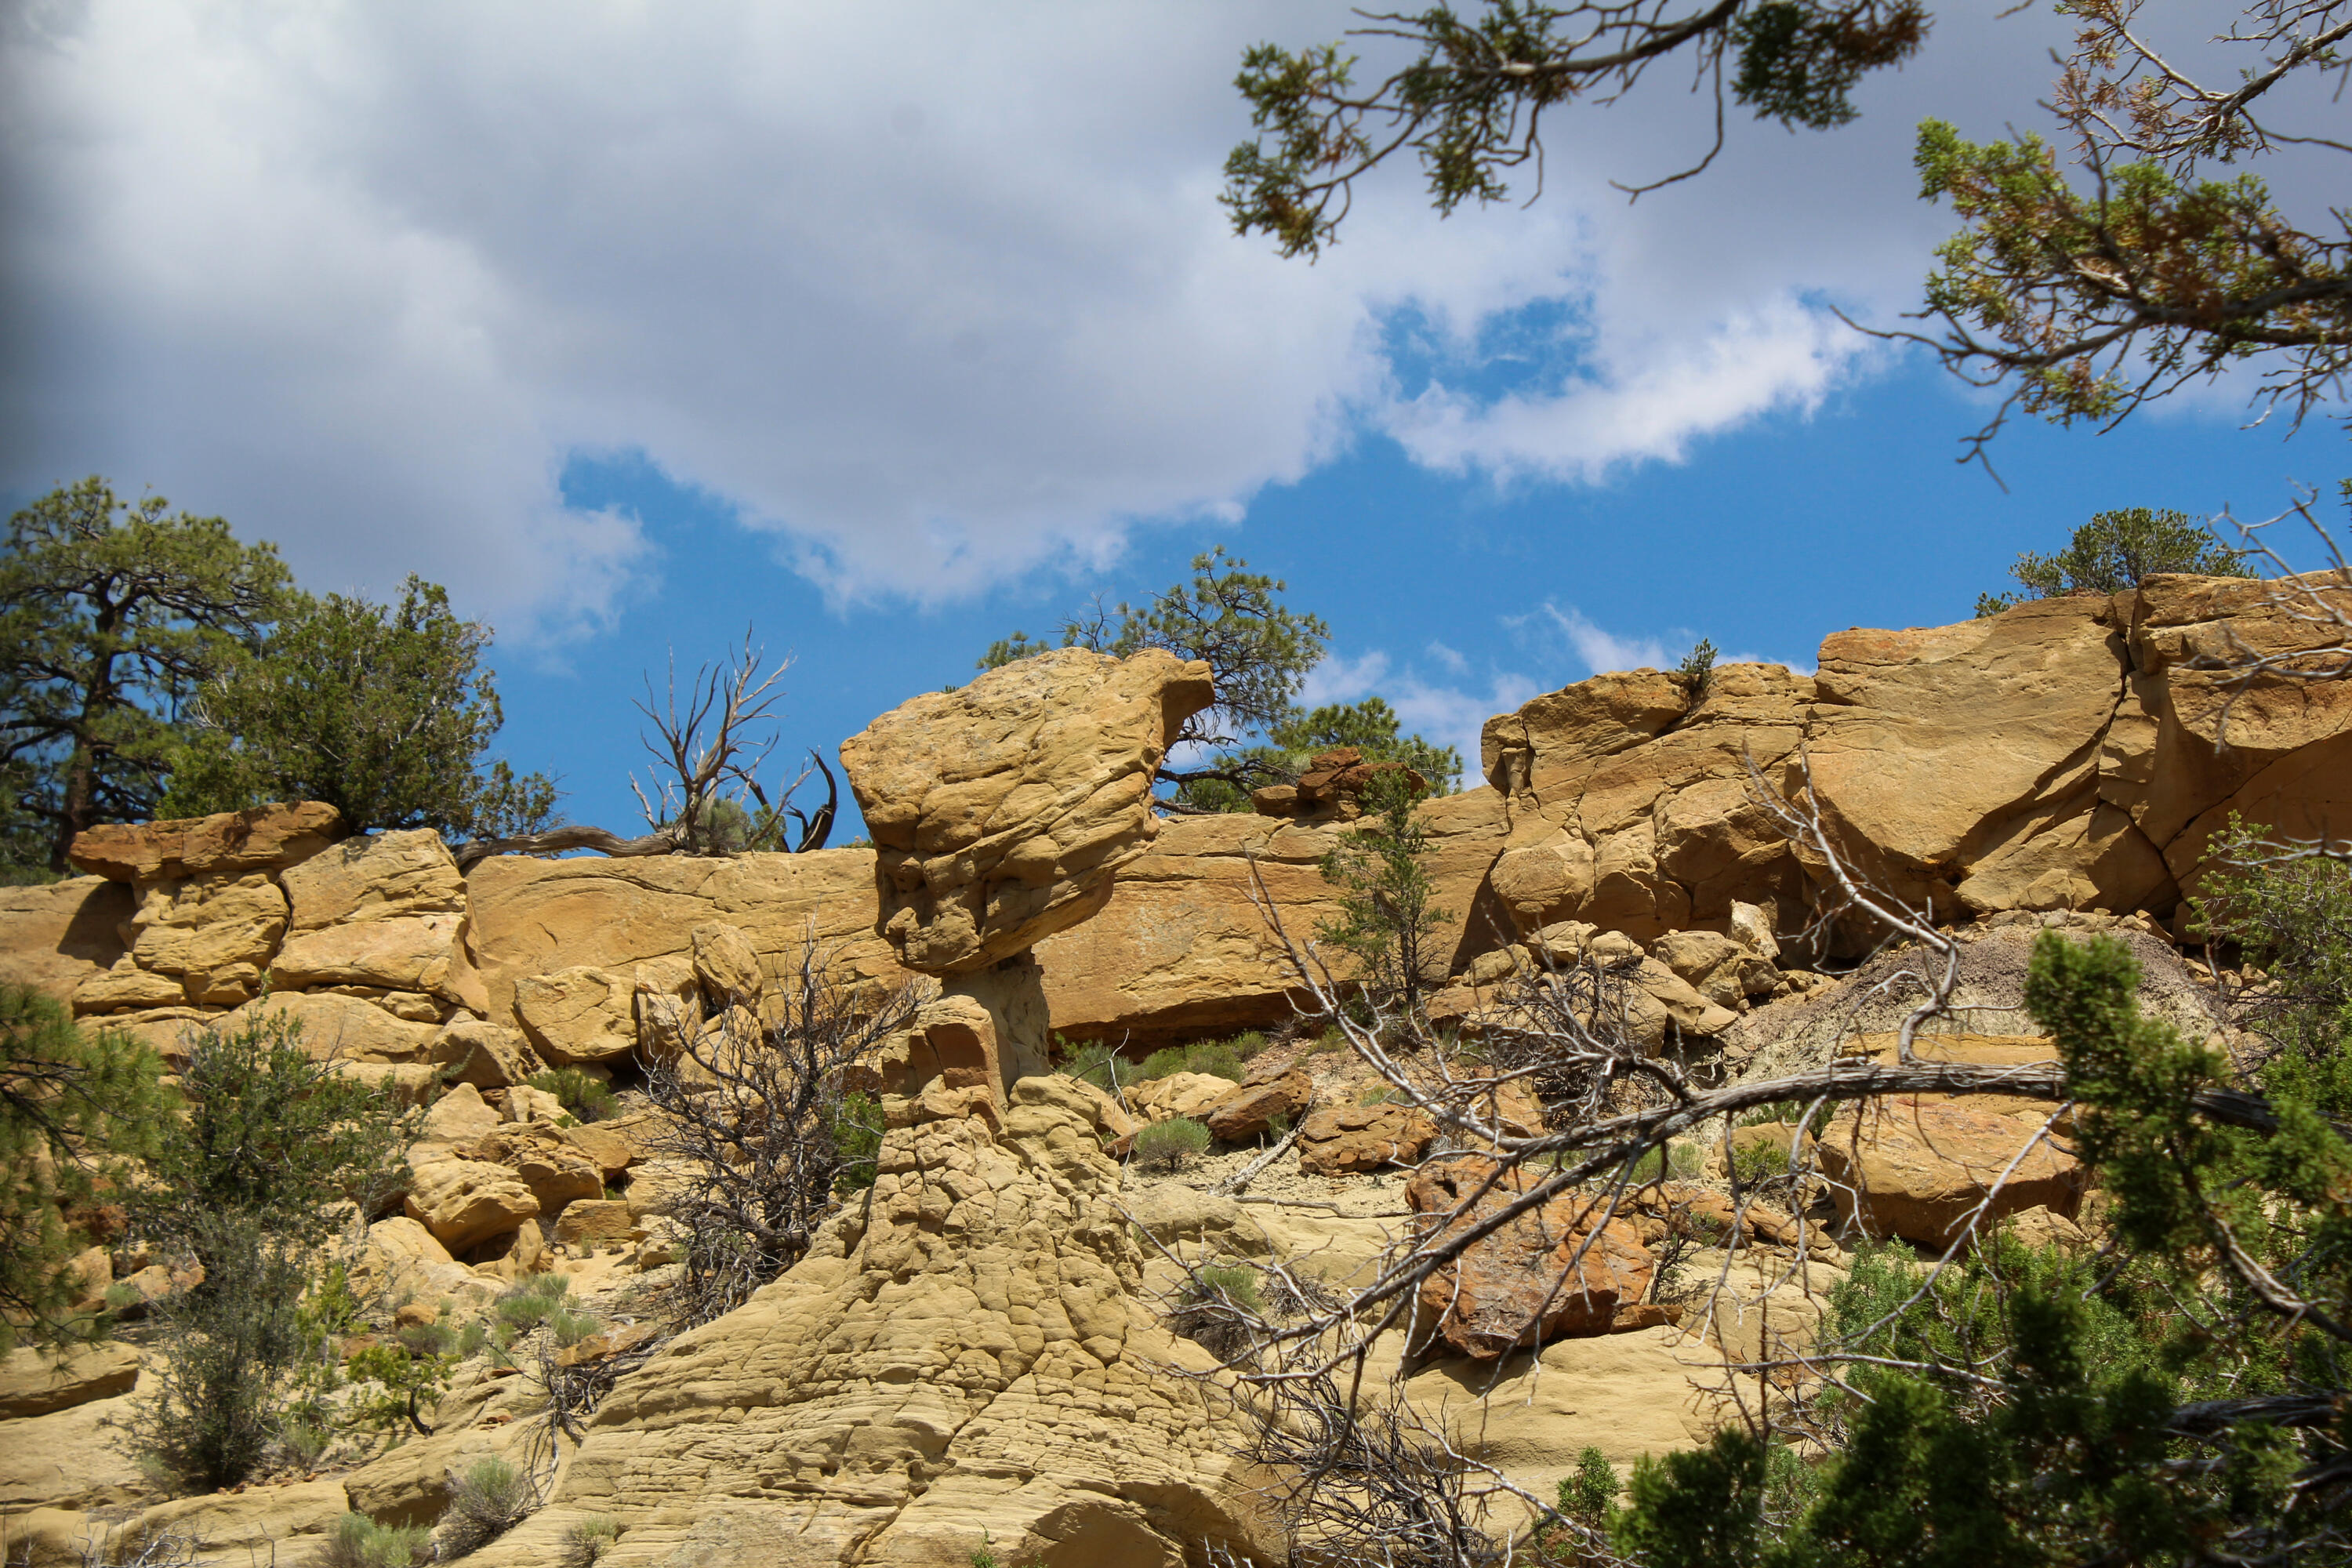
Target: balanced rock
<point x="1556" y="1270"/>
<point x="1000" y="810"/>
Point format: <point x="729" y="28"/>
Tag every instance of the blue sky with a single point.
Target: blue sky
<point x="884" y="329"/>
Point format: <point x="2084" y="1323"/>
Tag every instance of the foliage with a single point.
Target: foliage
<point x="1386" y="922"/>
<point x="1218" y="1058"/>
<point x="586" y="1097"/>
<point x="586" y="1541"/>
<point x="384" y="712"/>
<point x="1369" y="725"/>
<point x="2292" y="913"/>
<point x="761" y="1116"/>
<point x="1257" y="648"/>
<point x="273" y="1152"/>
<point x="486" y="1498"/>
<point x="2118" y="551"/>
<point x="523" y="1307"/>
<point x="2084" y="302"/>
<point x="1697" y="668"/>
<point x="858" y="1129"/>
<point x="1171" y="1144"/>
<point x="359" y="1541"/>
<point x="2178" y="1400"/>
<point x="1470" y="103"/>
<point x="74" y="1107"/>
<point x="111" y="614"/>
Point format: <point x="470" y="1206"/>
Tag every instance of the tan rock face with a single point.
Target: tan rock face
<point x="207" y="922"/>
<point x="485" y="1055"/>
<point x="1919" y="1171"/>
<point x="578" y="1014"/>
<point x="37" y="1383"/>
<point x="376" y="877"/>
<point x="463" y="1202"/>
<point x="999" y="811"/>
<point x="556" y="1172"/>
<point x="969" y="1355"/>
<point x="408" y="952"/>
<point x="1550" y="1273"/>
<point x="125" y="986"/>
<point x="266" y="838"/>
<point x="1348" y="1140"/>
<point x="532" y="917"/>
<point x="1180" y="1094"/>
<point x="344" y="1027"/>
<point x="727" y="965"/>
<point x="55" y="937"/>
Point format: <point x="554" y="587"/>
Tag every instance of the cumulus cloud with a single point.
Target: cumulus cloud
<point x="930" y="295"/>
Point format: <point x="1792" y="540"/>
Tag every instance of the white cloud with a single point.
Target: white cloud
<point x="1602" y="652"/>
<point x="1447" y="715"/>
<point x="932" y="295"/>
<point x="1450" y="659"/>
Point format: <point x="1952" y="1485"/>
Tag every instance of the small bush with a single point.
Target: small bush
<point x="1236" y="1282"/>
<point x="1219" y="1059"/>
<point x="857" y="1138"/>
<point x="568" y="1328"/>
<point x="490" y="1498"/>
<point x="589" y="1099"/>
<point x="359" y="1541"/>
<point x="524" y="1306"/>
<point x="587" y="1541"/>
<point x="1096" y="1063"/>
<point x="1378" y="1094"/>
<point x="1170" y="1146"/>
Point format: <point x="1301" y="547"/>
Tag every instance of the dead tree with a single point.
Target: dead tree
<point x="762" y="1114"/>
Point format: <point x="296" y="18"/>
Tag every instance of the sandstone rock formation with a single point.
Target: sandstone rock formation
<point x="1918" y="1167"/>
<point x="1550" y="1273"/>
<point x="964" y="1360"/>
<point x="1000" y="810"/>
<point x="1346" y="1139"/>
<point x="266" y="838"/>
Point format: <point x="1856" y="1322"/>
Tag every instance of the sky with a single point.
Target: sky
<point x="874" y="331"/>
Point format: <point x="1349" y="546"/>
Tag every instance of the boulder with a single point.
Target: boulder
<point x="345" y="1028"/>
<point x="485" y="1055"/>
<point x="578" y="1014"/>
<point x="1920" y="1169"/>
<point x="401" y="1258"/>
<point x="458" y="1118"/>
<point x="383" y="876"/>
<point x="1192" y="1094"/>
<point x="37" y="1382"/>
<point x="1000" y="810"/>
<point x="167" y="1031"/>
<point x="555" y="1172"/>
<point x="598" y="1222"/>
<point x="264" y="838"/>
<point x="396" y="952"/>
<point x="1557" y="1270"/>
<point x="1712" y="964"/>
<point x="612" y="1153"/>
<point x="966" y="1356"/>
<point x="124" y="987"/>
<point x="69" y="1458"/>
<point x="52" y="938"/>
<point x="463" y="1202"/>
<point x="207" y="922"/>
<point x="405" y="1083"/>
<point x="1348" y="1140"/>
<point x="253" y="1524"/>
<point x="726" y="966"/>
<point x="1248" y="1110"/>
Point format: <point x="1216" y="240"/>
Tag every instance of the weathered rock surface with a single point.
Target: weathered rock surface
<point x="382" y="876"/>
<point x="68" y="1459"/>
<point x="207" y="922"/>
<point x="1000" y="810"/>
<point x="972" y="1361"/>
<point x="1920" y="1169"/>
<point x="463" y="1202"/>
<point x="1249" y="1109"/>
<point x="486" y="1054"/>
<point x="578" y="1014"/>
<point x="250" y="1524"/>
<point x="1550" y="1273"/>
<point x="554" y="1170"/>
<point x="55" y="937"/>
<point x="1344" y="1139"/>
<point x="348" y="1027"/>
<point x="266" y="838"/>
<point x="396" y="952"/>
<point x="37" y="1383"/>
<point x="1180" y="1094"/>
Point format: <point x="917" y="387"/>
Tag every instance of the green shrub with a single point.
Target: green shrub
<point x="1170" y="1146"/>
<point x="1218" y="1058"/>
<point x="1236" y="1282"/>
<point x="586" y="1097"/>
<point x="489" y="1499"/>
<point x="857" y="1138"/>
<point x="1096" y="1062"/>
<point x="359" y="1541"/>
<point x="587" y="1541"/>
<point x="568" y="1327"/>
<point x="522" y="1307"/>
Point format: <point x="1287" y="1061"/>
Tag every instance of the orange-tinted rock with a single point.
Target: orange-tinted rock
<point x="264" y="838"/>
<point x="1920" y="1169"/>
<point x="1551" y="1272"/>
<point x="1249" y="1109"/>
<point x="1344" y="1139"/>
